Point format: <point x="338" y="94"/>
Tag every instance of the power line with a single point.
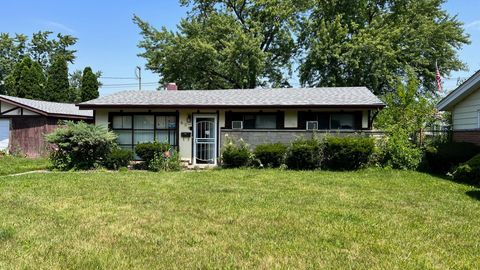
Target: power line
<point x="118" y="78"/>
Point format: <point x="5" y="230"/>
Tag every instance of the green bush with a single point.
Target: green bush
<point x="271" y="155"/>
<point x="400" y="153"/>
<point x="442" y="158"/>
<point x="118" y="158"/>
<point x="80" y="145"/>
<point x="347" y="153"/>
<point x="162" y="162"/>
<point x="236" y="154"/>
<point x="304" y="154"/>
<point x="469" y="172"/>
<point x="146" y="151"/>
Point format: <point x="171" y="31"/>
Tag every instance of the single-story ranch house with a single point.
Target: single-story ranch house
<point x="24" y="123"/>
<point x="196" y="122"/>
<point x="464" y="104"/>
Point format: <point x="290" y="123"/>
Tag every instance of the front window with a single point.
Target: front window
<point x="133" y="129"/>
<point x="261" y="121"/>
<point x="342" y="121"/>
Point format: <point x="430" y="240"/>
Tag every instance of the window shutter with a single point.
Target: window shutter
<point x="228" y="120"/>
<point x="358" y="120"/>
<point x="280" y="120"/>
<point x="302" y="120"/>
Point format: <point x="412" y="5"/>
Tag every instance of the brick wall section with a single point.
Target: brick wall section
<point x="472" y="136"/>
<point x="256" y="137"/>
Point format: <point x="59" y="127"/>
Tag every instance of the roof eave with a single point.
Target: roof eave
<point x="44" y="113"/>
<point x="190" y="106"/>
<point x="457" y="95"/>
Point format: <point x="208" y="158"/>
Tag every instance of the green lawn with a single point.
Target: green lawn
<point x="238" y="219"/>
<point x="11" y="165"/>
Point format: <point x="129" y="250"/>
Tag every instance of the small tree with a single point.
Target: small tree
<point x="89" y="85"/>
<point x="80" y="145"/>
<point x="406" y="113"/>
<point x="57" y="87"/>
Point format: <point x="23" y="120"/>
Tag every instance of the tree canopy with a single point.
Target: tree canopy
<point x="250" y="43"/>
<point x="57" y="88"/>
<point x="225" y="44"/>
<point x="26" y="80"/>
<point x="88" y="85"/>
<point x="41" y="48"/>
<point x="371" y="43"/>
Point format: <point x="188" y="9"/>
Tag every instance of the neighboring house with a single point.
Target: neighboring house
<point x="24" y="123"/>
<point x="196" y="121"/>
<point x="464" y="104"/>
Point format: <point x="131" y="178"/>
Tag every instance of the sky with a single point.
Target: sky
<point x="107" y="37"/>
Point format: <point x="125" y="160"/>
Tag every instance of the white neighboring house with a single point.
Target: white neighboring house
<point x="464" y="104"/>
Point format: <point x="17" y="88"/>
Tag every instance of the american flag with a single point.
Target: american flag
<point x="438" y="78"/>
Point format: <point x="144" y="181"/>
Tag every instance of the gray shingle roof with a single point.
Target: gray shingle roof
<point x="48" y="108"/>
<point x="279" y="97"/>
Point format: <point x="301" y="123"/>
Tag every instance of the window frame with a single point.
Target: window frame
<point x="155" y="130"/>
<point x="308" y="122"/>
<point x="242" y="116"/>
<point x="309" y="116"/>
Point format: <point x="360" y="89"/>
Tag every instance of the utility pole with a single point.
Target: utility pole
<point x="138" y="74"/>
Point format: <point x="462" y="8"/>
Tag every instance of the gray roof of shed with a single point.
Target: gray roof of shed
<point x="48" y="108"/>
<point x="273" y="97"/>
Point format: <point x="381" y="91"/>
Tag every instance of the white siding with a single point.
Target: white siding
<point x="465" y="113"/>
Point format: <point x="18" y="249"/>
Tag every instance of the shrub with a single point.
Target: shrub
<point x="304" y="154"/>
<point x="80" y="145"/>
<point x="271" y="155"/>
<point x="347" y="153"/>
<point x="146" y="151"/>
<point x="400" y="153"/>
<point x="236" y="154"/>
<point x="442" y="158"/>
<point x="162" y="162"/>
<point x="469" y="172"/>
<point x="118" y="158"/>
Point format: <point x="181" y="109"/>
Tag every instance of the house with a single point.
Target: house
<point x="464" y="105"/>
<point x="196" y="122"/>
<point x="24" y="123"/>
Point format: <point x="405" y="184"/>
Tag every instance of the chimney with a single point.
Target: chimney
<point x="171" y="87"/>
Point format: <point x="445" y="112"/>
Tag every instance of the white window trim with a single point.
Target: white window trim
<point x="478" y="118"/>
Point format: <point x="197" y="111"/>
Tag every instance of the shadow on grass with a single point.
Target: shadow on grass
<point x="474" y="194"/>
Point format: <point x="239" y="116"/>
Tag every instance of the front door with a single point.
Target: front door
<point x="205" y="139"/>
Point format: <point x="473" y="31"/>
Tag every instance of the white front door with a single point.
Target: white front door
<point x="4" y="134"/>
<point x="205" y="139"/>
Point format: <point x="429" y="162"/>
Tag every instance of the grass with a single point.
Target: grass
<point x="12" y="165"/>
<point x="238" y="219"/>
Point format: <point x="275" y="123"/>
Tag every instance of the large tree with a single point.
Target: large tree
<point x="89" y="85"/>
<point x="248" y="43"/>
<point x="373" y="42"/>
<point x="41" y="48"/>
<point x="225" y="44"/>
<point x="57" y="88"/>
<point x="27" y="80"/>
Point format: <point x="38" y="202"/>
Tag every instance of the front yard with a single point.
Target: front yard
<point x="238" y="219"/>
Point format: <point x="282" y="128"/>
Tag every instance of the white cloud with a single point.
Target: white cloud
<point x="58" y="26"/>
<point x="474" y="25"/>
